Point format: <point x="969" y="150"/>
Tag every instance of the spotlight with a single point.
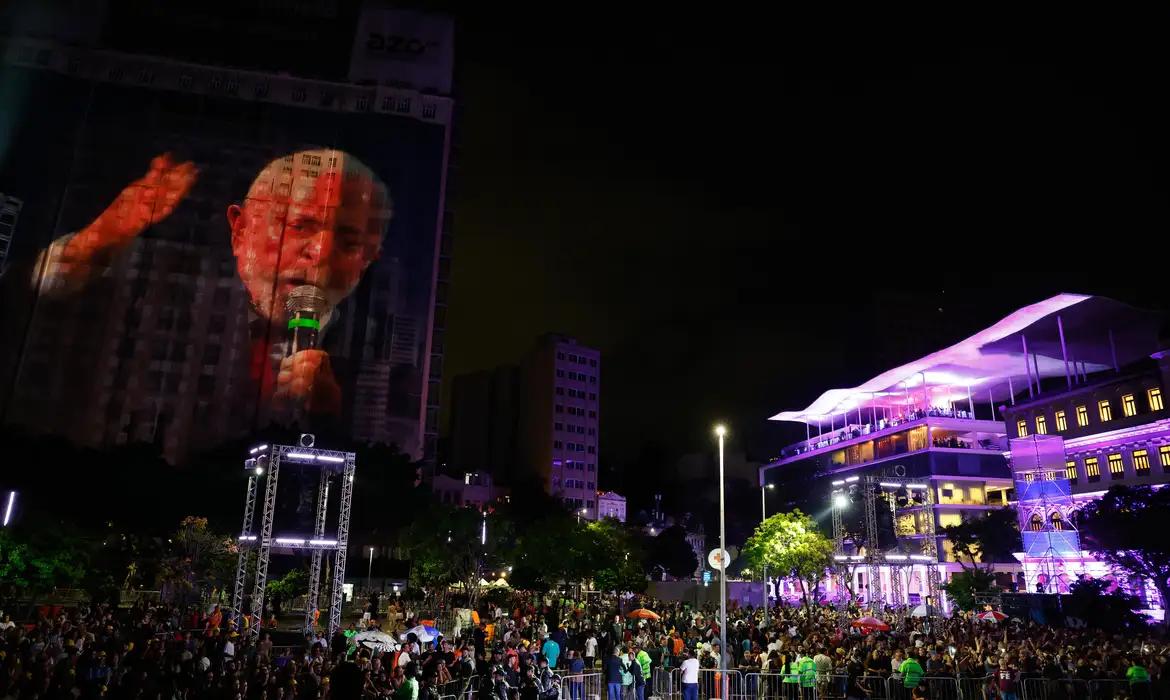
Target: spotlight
<point x="307" y="440"/>
<point x="840" y="501"/>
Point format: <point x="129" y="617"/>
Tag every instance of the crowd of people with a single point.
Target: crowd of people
<point x="545" y="647"/>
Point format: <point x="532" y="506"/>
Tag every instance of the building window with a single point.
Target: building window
<point x="1036" y="522"/>
<point x="1056" y="520"/>
<point x="1082" y="416"/>
<point x="1070" y="472"/>
<point x="560" y="391"/>
<point x="1116" y="468"/>
<point x="556" y="444"/>
<point x="1104" y="410"/>
<point x="1041" y="425"/>
<point x="1092" y="470"/>
<point x="1155" y="397"/>
<point x="560" y="372"/>
<point x="558" y="426"/>
<point x="1061" y="422"/>
<point x="560" y="408"/>
<point x="1141" y="462"/>
<point x="1022" y="428"/>
<point x="1128" y="405"/>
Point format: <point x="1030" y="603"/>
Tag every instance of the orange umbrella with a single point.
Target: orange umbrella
<point x="643" y="614"/>
<point x="870" y="623"/>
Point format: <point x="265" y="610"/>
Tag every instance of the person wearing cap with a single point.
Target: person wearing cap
<point x="498" y="688"/>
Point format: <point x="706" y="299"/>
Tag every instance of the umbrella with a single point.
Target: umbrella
<point x="924" y="610"/>
<point x="642" y="614"/>
<point x="424" y="633"/>
<point x="376" y="640"/>
<point x="870" y="623"/>
<point x="991" y="616"/>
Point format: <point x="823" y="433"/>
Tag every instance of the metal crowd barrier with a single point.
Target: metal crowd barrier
<point x="664" y="684"/>
<point x="582" y="686"/>
<point x="936" y="688"/>
<point x="459" y="687"/>
<point x="1077" y="689"/>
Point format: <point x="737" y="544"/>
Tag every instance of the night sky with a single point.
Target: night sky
<point x="739" y="227"/>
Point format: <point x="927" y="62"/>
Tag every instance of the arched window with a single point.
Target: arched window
<point x="1037" y="523"/>
<point x="1057" y="520"/>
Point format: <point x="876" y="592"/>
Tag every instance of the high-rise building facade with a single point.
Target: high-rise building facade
<point x="165" y="334"/>
<point x="535" y="422"/>
<point x="9" y="213"/>
<point x="561" y="383"/>
<point x="485" y="414"/>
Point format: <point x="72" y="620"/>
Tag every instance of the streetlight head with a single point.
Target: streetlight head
<point x="840" y="501"/>
<point x="720" y="430"/>
<point x="770" y="486"/>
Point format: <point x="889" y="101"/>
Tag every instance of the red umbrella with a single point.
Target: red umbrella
<point x="643" y="614"/>
<point x="871" y="623"/>
<point x="991" y="616"/>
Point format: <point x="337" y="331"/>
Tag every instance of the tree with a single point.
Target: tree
<point x="984" y="540"/>
<point x="1127" y="529"/>
<point x="614" y="557"/>
<point x="671" y="551"/>
<point x="445" y="548"/>
<point x="964" y="585"/>
<point x="549" y="551"/>
<point x="292" y="584"/>
<point x="39" y="561"/>
<point x="790" y="544"/>
<point x="197" y="560"/>
<point x="1091" y="601"/>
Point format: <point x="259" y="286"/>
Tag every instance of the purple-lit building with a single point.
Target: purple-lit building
<point x="954" y="434"/>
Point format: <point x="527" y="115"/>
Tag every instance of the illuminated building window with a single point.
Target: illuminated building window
<point x="1029" y="477"/>
<point x="1036" y="522"/>
<point x="1082" y="416"/>
<point x="1128" y="405"/>
<point x="1041" y="425"/>
<point x="1093" y="469"/>
<point x="1061" y="422"/>
<point x="1164" y="457"/>
<point x="1155" y="397"/>
<point x="1116" y="468"/>
<point x="1104" y="410"/>
<point x="1070" y="472"/>
<point x="1141" y="462"/>
<point x="1022" y="428"/>
<point x="1056" y="520"/>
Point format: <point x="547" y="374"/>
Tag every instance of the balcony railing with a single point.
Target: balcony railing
<point x="854" y="431"/>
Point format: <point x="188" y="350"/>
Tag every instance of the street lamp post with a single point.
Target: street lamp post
<point x="764" y="516"/>
<point x="721" y="432"/>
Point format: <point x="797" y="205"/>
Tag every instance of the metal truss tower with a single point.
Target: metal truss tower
<point x="267" y="460"/>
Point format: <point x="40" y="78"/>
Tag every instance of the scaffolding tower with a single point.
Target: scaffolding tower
<point x="326" y="552"/>
<point x="1044" y="498"/>
<point x="902" y="561"/>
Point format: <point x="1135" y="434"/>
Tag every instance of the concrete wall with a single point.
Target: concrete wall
<point x="742" y="593"/>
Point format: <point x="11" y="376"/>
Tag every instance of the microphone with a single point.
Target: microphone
<point x="306" y="305"/>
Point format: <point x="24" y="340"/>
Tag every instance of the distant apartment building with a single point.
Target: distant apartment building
<point x="536" y="421"/>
